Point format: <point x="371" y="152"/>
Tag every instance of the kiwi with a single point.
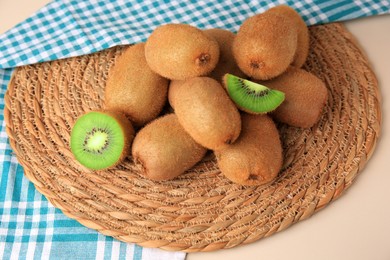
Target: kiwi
<point x="181" y="51"/>
<point x="133" y="88"/>
<point x="252" y="97"/>
<point x="303" y="43"/>
<point x="205" y="111"/>
<point x="101" y="139"/>
<point x="265" y="45"/>
<point x="256" y="157"/>
<point x="163" y="150"/>
<point x="306" y="96"/>
<point x="226" y="63"/>
<point x="173" y="85"/>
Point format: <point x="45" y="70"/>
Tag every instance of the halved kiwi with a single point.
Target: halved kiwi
<point x="101" y="139"/>
<point x="252" y="97"/>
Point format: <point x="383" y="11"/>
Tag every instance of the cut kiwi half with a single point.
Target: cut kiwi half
<point x="252" y="97"/>
<point x="101" y="139"/>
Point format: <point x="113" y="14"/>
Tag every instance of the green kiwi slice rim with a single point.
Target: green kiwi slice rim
<point x="97" y="140"/>
<point x="252" y="97"/>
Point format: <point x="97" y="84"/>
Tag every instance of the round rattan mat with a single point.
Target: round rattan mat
<point x="201" y="210"/>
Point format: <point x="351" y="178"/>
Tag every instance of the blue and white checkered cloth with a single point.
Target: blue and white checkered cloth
<point x="30" y="227"/>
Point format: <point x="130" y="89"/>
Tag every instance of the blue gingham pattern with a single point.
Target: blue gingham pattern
<point x="30" y="227"/>
<point x="69" y="28"/>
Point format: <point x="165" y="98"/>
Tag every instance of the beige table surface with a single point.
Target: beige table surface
<point x="356" y="226"/>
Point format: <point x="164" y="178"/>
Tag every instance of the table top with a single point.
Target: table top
<point x="356" y="225"/>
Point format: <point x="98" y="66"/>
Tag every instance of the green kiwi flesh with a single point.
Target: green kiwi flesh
<point x="252" y="97"/>
<point x="100" y="140"/>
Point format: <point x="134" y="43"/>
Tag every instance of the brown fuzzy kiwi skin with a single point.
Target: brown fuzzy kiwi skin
<point x="256" y="157"/>
<point x="206" y="112"/>
<point x="226" y="63"/>
<point x="305" y="97"/>
<point x="127" y="129"/>
<point x="265" y="45"/>
<point x="173" y="86"/>
<point x="163" y="149"/>
<point x="303" y="43"/>
<point x="133" y="88"/>
<point x="181" y="51"/>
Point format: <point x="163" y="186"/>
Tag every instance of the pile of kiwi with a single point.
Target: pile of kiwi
<point x="224" y="92"/>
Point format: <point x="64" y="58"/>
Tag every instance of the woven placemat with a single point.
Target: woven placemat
<point x="201" y="210"/>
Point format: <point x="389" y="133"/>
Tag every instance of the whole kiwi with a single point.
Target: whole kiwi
<point x="303" y="43"/>
<point x="133" y="88"/>
<point x="256" y="157"/>
<point x="305" y="97"/>
<point x="265" y="45"/>
<point x="181" y="51"/>
<point x="226" y="63"/>
<point x="205" y="111"/>
<point x="163" y="149"/>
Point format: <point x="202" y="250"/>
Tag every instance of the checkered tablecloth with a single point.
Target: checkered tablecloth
<point x="30" y="227"/>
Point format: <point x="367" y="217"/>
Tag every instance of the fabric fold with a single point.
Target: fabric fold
<point x="66" y="28"/>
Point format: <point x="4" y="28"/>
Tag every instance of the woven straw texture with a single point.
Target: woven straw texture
<point x="201" y="210"/>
